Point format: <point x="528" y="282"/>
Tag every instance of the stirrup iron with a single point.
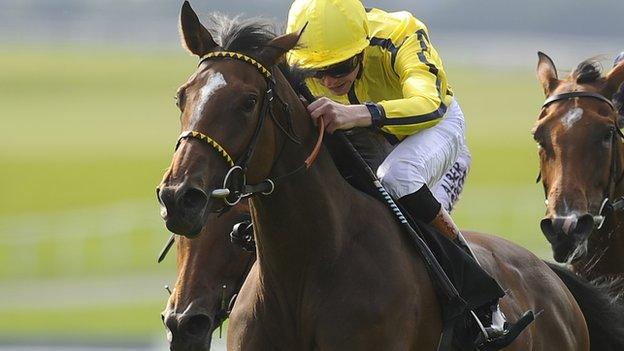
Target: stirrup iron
<point x="488" y="342"/>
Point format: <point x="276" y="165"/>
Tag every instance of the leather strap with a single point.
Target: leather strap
<point x="575" y="94"/>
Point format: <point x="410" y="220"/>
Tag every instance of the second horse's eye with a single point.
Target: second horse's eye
<point x="250" y="103"/>
<point x="179" y="99"/>
<point x="607" y="137"/>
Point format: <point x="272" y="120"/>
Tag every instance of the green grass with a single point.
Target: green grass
<point x="86" y="136"/>
<point x="500" y="195"/>
<point x="116" y="322"/>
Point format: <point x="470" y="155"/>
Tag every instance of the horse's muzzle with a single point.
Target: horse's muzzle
<point x="183" y="208"/>
<point x="188" y="330"/>
<point x="567" y="234"/>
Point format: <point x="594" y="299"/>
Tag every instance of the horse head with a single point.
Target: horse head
<point x="580" y="150"/>
<point x="227" y="139"/>
<point x="211" y="271"/>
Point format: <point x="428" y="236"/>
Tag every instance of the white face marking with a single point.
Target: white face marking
<point x="572" y="117"/>
<point x="215" y="82"/>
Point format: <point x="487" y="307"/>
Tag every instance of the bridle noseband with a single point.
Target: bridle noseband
<point x="235" y="185"/>
<point x="607" y="208"/>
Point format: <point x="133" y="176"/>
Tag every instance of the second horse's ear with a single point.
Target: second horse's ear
<point x="195" y="37"/>
<point x="547" y="73"/>
<point x="276" y="48"/>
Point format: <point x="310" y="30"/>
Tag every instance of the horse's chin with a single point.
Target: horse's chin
<point x="203" y="345"/>
<point x="562" y="253"/>
<point x="569" y="255"/>
<point x="188" y="228"/>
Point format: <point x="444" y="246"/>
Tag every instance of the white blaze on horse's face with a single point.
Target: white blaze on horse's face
<point x="570" y="118"/>
<point x="214" y="83"/>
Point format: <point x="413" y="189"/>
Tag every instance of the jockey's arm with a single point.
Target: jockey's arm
<point x="421" y="106"/>
<point x="338" y="116"/>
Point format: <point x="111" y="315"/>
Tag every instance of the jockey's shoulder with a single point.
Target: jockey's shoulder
<point x="396" y="26"/>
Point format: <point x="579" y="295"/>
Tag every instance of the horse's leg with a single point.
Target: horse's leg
<point x="533" y="285"/>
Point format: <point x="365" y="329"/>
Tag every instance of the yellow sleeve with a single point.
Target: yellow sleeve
<point x="422" y="79"/>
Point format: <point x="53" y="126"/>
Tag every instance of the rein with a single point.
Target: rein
<point x="235" y="185"/>
<point x="608" y="207"/>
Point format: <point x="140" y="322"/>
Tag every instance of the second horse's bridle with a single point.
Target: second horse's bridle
<point x="608" y="207"/>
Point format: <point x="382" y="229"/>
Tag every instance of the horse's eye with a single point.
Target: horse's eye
<point x="250" y="103"/>
<point x="179" y="100"/>
<point x="540" y="143"/>
<point x="607" y="138"/>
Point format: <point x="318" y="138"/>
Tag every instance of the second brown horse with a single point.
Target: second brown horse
<point x="211" y="270"/>
<point x="582" y="166"/>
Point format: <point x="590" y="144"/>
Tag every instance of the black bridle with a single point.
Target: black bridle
<point x="577" y="94"/>
<point x="616" y="173"/>
<point x="235" y="185"/>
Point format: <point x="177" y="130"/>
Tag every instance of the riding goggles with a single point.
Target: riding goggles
<point x="340" y="69"/>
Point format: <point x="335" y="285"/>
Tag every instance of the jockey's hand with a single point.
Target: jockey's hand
<point x="338" y="116"/>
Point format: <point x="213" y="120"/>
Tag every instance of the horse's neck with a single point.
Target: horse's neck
<point x="619" y="193"/>
<point x="306" y="218"/>
<point x="610" y="245"/>
<point x="615" y="252"/>
<point x="305" y="222"/>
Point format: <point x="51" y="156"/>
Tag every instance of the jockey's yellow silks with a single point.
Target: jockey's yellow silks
<point x="402" y="73"/>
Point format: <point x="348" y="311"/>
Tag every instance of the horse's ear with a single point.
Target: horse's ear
<point x="614" y="80"/>
<point x="276" y="48"/>
<point x="547" y="73"/>
<point x="195" y="37"/>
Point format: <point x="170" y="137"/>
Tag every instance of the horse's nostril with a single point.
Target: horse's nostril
<point x="194" y="198"/>
<point x="547" y="228"/>
<point x="197" y="325"/>
<point x="584" y="227"/>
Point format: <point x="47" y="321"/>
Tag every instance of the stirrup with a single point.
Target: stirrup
<point x="491" y="340"/>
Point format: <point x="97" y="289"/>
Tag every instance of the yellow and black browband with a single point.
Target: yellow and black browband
<point x="237" y="56"/>
<point x="208" y="140"/>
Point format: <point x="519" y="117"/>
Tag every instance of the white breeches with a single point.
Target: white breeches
<point x="437" y="156"/>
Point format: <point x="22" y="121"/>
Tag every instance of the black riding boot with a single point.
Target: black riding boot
<point x="495" y="331"/>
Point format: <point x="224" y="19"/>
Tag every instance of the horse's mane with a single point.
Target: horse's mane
<point x="588" y="71"/>
<point x="248" y="36"/>
<point x="244" y="35"/>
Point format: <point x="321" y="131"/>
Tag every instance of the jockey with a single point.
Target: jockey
<point x="379" y="70"/>
<point x="618" y="98"/>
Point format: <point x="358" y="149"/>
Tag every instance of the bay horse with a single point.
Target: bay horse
<point x="581" y="165"/>
<point x="211" y="270"/>
<point x="334" y="270"/>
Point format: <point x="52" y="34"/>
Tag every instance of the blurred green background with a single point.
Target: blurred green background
<point x="85" y="139"/>
<point x="88" y="125"/>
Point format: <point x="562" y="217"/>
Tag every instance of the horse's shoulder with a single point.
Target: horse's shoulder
<point x="498" y="251"/>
